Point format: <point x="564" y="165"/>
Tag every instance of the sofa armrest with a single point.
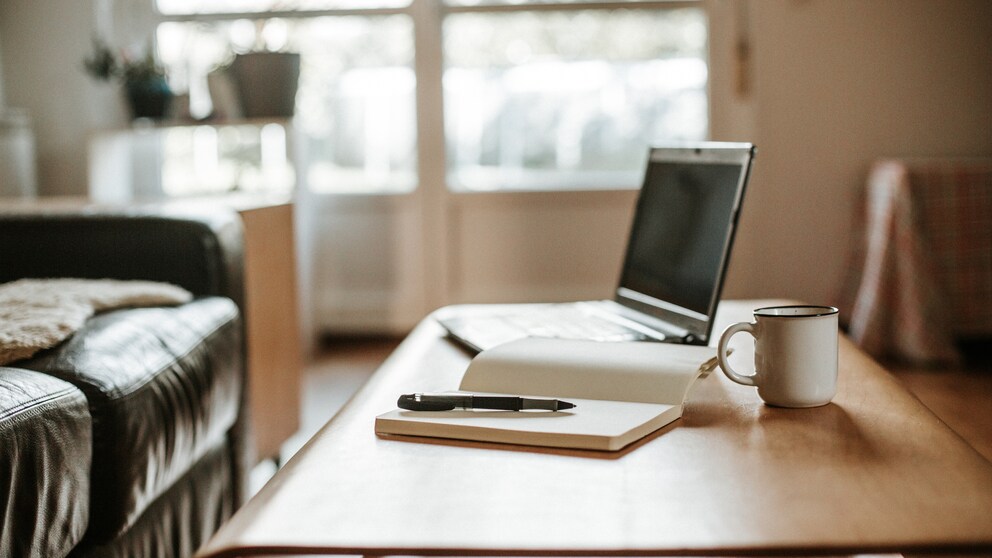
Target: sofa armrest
<point x="201" y="252"/>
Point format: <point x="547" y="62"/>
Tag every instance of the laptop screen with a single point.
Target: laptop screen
<point x="682" y="233"/>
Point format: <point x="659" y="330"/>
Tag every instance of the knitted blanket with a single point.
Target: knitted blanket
<point x="37" y="314"/>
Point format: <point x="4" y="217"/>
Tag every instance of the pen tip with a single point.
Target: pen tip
<point x="562" y="405"/>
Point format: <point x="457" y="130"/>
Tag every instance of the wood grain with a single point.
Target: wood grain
<point x="874" y="471"/>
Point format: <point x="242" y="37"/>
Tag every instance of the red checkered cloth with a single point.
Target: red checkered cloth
<point x="927" y="261"/>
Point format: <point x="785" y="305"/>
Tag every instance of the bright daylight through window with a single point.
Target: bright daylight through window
<point x="537" y="95"/>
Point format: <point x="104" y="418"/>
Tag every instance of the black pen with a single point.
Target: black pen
<point x="449" y="401"/>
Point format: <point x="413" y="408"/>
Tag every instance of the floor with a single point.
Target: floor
<point x="339" y="369"/>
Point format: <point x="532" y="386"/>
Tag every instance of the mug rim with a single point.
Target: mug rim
<point x="826" y="311"/>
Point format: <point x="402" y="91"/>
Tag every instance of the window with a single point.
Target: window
<point x="356" y="92"/>
<point x="568" y="98"/>
<point x="537" y="95"/>
<point x="211" y="159"/>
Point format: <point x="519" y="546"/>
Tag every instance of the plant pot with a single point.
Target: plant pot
<point x="149" y="99"/>
<point x="267" y="83"/>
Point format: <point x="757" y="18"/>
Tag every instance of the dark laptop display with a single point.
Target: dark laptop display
<point x="677" y="254"/>
<point x="682" y="233"/>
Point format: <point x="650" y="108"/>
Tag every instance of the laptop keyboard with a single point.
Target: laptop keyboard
<point x="560" y="322"/>
<point x="571" y="323"/>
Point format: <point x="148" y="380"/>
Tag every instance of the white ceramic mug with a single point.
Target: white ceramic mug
<point x="795" y="355"/>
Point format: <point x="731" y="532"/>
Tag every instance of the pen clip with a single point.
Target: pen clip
<point x="411" y="402"/>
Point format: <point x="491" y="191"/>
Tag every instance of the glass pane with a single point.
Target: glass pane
<point x="569" y="99"/>
<point x="212" y="159"/>
<point x="181" y="7"/>
<point x="355" y="109"/>
<point x="530" y="2"/>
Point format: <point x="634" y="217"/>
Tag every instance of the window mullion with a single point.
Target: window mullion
<point x="432" y="191"/>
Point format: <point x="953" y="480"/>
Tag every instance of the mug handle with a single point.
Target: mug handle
<point x="721" y="352"/>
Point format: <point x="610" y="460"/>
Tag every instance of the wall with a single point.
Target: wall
<point x="1" y="73"/>
<point x="837" y="84"/>
<point x="44" y="43"/>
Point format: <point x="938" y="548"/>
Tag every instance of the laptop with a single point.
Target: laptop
<point x="672" y="275"/>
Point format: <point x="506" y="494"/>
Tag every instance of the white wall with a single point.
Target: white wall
<point x="836" y="84"/>
<point x="44" y="43"/>
<point x="1" y="72"/>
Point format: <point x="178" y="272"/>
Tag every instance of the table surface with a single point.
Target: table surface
<point x="874" y="471"/>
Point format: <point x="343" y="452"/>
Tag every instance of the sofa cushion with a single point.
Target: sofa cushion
<point x="163" y="387"/>
<point x="45" y="449"/>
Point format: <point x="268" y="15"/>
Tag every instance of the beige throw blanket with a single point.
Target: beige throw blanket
<point x="36" y="314"/>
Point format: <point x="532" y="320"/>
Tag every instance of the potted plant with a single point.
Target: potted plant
<point x="142" y="78"/>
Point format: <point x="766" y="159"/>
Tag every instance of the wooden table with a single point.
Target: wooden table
<point x="874" y="471"/>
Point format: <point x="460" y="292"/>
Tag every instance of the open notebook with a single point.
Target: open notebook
<point x="622" y="392"/>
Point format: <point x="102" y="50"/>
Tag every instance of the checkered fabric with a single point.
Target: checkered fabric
<point x="927" y="265"/>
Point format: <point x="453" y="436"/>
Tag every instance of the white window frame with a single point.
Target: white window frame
<point x="427" y="17"/>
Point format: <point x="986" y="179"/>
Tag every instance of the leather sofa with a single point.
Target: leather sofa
<point x="131" y="437"/>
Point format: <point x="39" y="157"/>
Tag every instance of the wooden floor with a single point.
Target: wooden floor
<point x="339" y="369"/>
<point x="329" y="380"/>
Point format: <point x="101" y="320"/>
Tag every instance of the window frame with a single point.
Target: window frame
<point x="427" y="17"/>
